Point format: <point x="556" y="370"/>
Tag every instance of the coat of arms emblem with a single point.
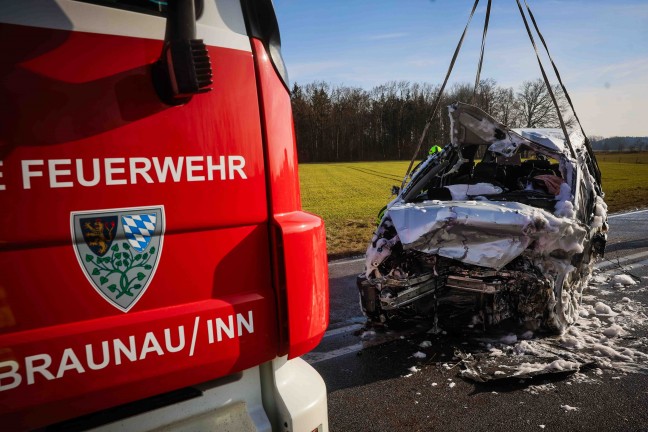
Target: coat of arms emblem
<point x="119" y="250"/>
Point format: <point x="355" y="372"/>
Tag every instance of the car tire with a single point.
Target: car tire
<point x="563" y="308"/>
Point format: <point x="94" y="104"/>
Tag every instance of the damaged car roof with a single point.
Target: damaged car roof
<point x="472" y="126"/>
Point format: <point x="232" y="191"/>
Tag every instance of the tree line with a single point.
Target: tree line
<point x="620" y="144"/>
<point x="341" y="123"/>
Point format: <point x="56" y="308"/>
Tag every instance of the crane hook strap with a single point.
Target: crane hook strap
<point x="546" y="80"/>
<point x="438" y="97"/>
<point x="481" y="54"/>
<point x="555" y="68"/>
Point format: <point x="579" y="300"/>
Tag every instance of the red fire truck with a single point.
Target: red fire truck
<point x="156" y="268"/>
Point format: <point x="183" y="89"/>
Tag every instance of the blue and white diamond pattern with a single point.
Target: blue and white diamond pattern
<point x="139" y="229"/>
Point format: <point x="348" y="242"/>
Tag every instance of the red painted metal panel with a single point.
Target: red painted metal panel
<point x="306" y="280"/>
<point x="302" y="279"/>
<point x="71" y="96"/>
<point x="109" y="110"/>
<point x="279" y="134"/>
<point x="165" y="348"/>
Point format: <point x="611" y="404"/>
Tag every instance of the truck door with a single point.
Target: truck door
<point x="134" y="235"/>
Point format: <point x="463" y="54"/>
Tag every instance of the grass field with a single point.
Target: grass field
<point x="349" y="195"/>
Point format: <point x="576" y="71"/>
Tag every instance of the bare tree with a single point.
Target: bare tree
<point x="506" y="108"/>
<point x="486" y="96"/>
<point x="537" y="108"/>
<point x="568" y="115"/>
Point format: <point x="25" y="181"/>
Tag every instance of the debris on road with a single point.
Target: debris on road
<point x="600" y="339"/>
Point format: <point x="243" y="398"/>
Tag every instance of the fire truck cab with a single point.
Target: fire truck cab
<point x="157" y="271"/>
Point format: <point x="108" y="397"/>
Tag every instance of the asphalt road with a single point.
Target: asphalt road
<point x="375" y="383"/>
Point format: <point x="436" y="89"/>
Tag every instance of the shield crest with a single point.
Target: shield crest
<point x="138" y="229"/>
<point x="119" y="250"/>
<point x="99" y="233"/>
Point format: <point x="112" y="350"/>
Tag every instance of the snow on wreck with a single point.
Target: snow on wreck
<point x="510" y="218"/>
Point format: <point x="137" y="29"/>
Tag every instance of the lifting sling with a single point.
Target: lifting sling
<point x="591" y="159"/>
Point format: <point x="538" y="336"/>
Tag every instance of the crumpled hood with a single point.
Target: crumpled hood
<point x="470" y="126"/>
<point x="484" y="233"/>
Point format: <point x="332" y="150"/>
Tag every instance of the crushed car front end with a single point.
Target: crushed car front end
<point x="510" y="220"/>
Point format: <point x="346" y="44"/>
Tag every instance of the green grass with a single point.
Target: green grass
<point x="625" y="183"/>
<point x="349" y="195"/>
<point x="633" y="158"/>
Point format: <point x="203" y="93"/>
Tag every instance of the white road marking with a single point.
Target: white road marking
<point x="345" y="329"/>
<point x="620" y="261"/>
<point x="628" y="267"/>
<point x="627" y="214"/>
<point x="316" y="357"/>
<point x="349" y="261"/>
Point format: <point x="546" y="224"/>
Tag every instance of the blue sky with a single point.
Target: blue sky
<point x="600" y="47"/>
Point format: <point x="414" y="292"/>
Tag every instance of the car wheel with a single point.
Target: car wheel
<point x="562" y="309"/>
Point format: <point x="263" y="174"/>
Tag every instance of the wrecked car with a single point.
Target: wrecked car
<point x="511" y="220"/>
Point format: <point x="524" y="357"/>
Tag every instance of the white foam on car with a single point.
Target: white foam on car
<point x="604" y="336"/>
<point x="463" y="191"/>
<point x="623" y="279"/>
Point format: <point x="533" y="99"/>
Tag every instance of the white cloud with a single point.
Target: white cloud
<point x="386" y="36"/>
<point x="311" y="70"/>
<point x="425" y="62"/>
<point x="616" y="110"/>
<point x="623" y="70"/>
